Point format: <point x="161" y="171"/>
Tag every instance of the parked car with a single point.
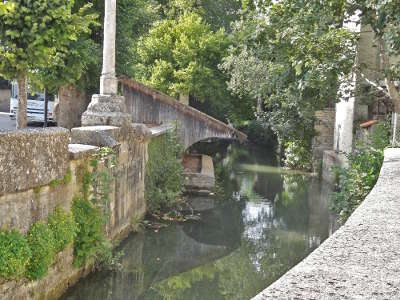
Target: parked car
<point x="35" y="105"/>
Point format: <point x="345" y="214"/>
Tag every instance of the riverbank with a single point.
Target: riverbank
<point x="361" y="260"/>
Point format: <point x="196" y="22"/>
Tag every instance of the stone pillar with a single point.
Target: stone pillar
<point x="108" y="81"/>
<point x="107" y="108"/>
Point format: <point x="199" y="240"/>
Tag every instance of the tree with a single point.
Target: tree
<point x="37" y="35"/>
<point x="218" y="14"/>
<point x="290" y="56"/>
<point x="181" y="57"/>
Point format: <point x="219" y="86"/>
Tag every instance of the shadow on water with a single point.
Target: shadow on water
<point x="263" y="224"/>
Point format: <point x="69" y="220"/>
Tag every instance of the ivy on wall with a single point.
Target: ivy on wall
<point x="32" y="255"/>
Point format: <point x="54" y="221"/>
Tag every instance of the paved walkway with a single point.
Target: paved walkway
<point x="362" y="259"/>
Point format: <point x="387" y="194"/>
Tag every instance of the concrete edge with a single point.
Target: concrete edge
<point x="79" y="151"/>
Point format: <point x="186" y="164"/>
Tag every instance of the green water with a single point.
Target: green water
<point x="264" y="222"/>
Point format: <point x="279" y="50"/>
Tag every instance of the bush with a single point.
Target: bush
<point x="164" y="179"/>
<point x="298" y="156"/>
<point x="356" y="181"/>
<point x="64" y="228"/>
<point x="41" y="242"/>
<point x="90" y="236"/>
<point x="14" y="254"/>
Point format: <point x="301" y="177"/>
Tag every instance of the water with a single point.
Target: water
<point x="265" y="222"/>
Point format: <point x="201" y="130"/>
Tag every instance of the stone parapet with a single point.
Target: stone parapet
<point x="149" y="106"/>
<point x="361" y="259"/>
<point x="32" y="157"/>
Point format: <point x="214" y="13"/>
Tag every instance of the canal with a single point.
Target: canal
<point x="262" y="222"/>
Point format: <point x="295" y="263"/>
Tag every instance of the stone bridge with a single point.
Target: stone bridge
<point x="149" y="106"/>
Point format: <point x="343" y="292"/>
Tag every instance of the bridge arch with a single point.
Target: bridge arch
<point x="149" y="106"/>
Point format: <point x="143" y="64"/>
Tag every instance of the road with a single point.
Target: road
<point x="6" y="122"/>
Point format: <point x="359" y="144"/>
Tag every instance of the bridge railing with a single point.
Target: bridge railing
<point x="182" y="108"/>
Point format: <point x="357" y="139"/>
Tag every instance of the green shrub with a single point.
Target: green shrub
<point x="64" y="228"/>
<point x="41" y="242"/>
<point x="164" y="179"/>
<point x="89" y="240"/>
<point x="297" y="156"/>
<point x="14" y="254"/>
<point x="355" y="182"/>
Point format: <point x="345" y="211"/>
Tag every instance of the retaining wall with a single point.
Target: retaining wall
<point x="361" y="260"/>
<point x="32" y="157"/>
<point x="33" y="200"/>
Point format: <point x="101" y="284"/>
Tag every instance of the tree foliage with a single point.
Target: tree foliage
<point x="291" y="55"/>
<point x="38" y="35"/>
<point x="218" y="14"/>
<point x="181" y="57"/>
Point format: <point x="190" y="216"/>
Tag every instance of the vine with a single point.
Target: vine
<point x="92" y="211"/>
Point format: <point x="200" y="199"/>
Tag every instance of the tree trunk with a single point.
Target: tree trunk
<point x="259" y="110"/>
<point x="22" y="101"/>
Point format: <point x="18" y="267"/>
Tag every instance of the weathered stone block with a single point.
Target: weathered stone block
<point x="32" y="157"/>
<point x="106" y="110"/>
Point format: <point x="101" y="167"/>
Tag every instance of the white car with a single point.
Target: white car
<point x="35" y="106"/>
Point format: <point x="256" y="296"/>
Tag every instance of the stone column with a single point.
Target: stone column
<point x="107" y="108"/>
<point x="108" y="81"/>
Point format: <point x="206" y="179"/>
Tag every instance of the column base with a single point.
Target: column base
<point x="106" y="110"/>
<point x="108" y="85"/>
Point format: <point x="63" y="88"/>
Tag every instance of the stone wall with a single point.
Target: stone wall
<point x="33" y="201"/>
<point x="149" y="106"/>
<point x="361" y="259"/>
<point x="324" y="128"/>
<point x="32" y="157"/>
<point x="130" y="145"/>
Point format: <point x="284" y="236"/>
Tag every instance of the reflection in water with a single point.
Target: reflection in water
<point x="265" y="223"/>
